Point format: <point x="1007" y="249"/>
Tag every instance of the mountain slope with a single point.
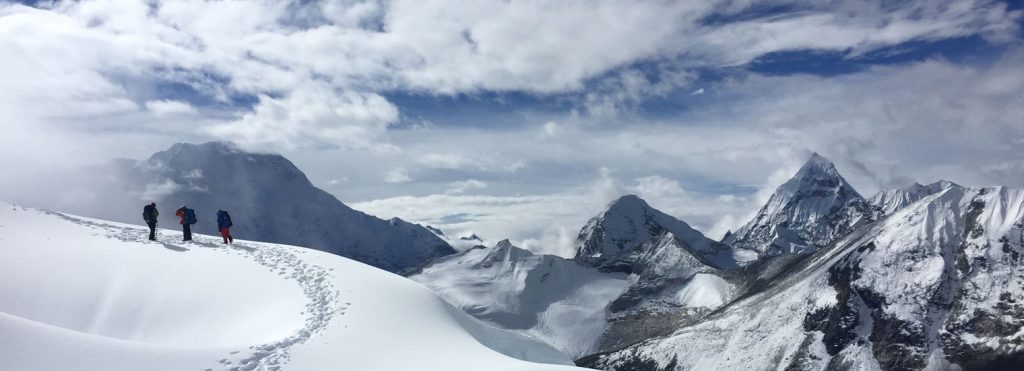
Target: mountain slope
<point x="935" y="285"/>
<point x="545" y="296"/>
<point x="812" y="209"/>
<point x="615" y="239"/>
<point x="270" y="200"/>
<point x="84" y="294"/>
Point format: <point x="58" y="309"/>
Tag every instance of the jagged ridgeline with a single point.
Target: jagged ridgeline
<point x="270" y="200"/>
<point x="925" y="277"/>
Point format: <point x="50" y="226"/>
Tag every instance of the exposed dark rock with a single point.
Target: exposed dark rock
<point x="631" y="363"/>
<point x="897" y="344"/>
<point x="838" y="323"/>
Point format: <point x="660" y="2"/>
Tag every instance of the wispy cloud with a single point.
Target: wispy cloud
<point x="397" y="176"/>
<point x="167" y="107"/>
<point x="462" y="186"/>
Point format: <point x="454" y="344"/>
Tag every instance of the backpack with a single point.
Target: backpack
<point x="223" y="219"/>
<point x="149" y="213"/>
<point x="190" y="216"/>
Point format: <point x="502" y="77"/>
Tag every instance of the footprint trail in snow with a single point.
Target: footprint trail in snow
<point x="324" y="300"/>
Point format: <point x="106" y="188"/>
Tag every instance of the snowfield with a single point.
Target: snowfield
<point x="85" y="294"/>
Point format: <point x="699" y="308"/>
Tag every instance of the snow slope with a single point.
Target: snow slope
<point x="84" y="294"/>
<point x="545" y="296"/>
<point x="936" y="285"/>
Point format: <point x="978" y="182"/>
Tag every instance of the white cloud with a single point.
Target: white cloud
<point x="313" y="116"/>
<point x="167" y="107"/>
<point x="549" y="130"/>
<point x="195" y="174"/>
<point x="481" y="162"/>
<point x="462" y="186"/>
<point x="657" y="186"/>
<point x="366" y="47"/>
<point x="337" y="181"/>
<point x="158" y="190"/>
<point x="397" y="176"/>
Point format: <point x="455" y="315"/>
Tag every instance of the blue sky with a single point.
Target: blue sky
<point x="522" y="119"/>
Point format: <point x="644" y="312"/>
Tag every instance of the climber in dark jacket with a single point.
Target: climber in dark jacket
<point x="188" y="218"/>
<point x="149" y="214"/>
<point x="224" y="226"/>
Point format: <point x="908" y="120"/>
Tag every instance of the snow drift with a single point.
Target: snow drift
<point x="84" y="294"/>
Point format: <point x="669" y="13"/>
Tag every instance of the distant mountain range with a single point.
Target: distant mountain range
<point x="821" y="278"/>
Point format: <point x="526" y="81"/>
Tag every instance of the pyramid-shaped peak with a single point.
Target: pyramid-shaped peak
<point x="627" y="203"/>
<point x="818" y="164"/>
<point x="810" y="210"/>
<point x="629" y="200"/>
<point x="817" y="174"/>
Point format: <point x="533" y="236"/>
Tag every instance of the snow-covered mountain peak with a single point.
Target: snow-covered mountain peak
<point x="611" y="239"/>
<point x="817" y="175"/>
<point x="810" y="210"/>
<point x="818" y="165"/>
<point x="627" y="205"/>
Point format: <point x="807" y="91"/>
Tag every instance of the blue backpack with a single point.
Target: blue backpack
<point x="223" y="219"/>
<point x="190" y="216"/>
